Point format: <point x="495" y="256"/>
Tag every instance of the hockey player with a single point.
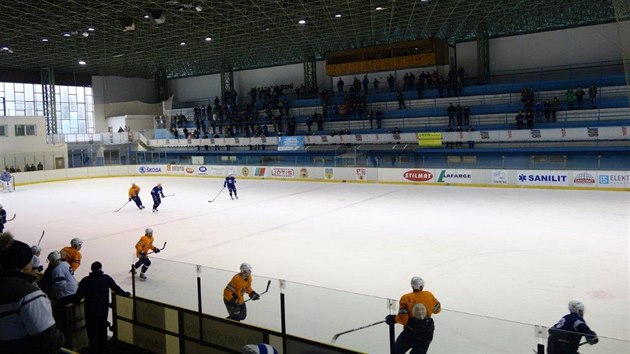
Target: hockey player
<point x="156" y="193"/>
<point x="37" y="263"/>
<point x="259" y="349"/>
<point x="72" y="254"/>
<point x="5" y="177"/>
<point x="3" y="218"/>
<point x="142" y="250"/>
<point x="230" y="183"/>
<point x="564" y="336"/>
<point x="415" y="313"/>
<point x="240" y="284"/>
<point x="134" y="194"/>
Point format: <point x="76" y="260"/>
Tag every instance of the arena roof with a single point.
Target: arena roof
<point x="203" y="36"/>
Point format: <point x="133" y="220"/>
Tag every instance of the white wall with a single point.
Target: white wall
<point x="561" y="47"/>
<point x="18" y="150"/>
<point x="195" y="88"/>
<point x="109" y="90"/>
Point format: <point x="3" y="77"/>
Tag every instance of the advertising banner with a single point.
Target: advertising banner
<point x="283" y="172"/>
<point x="150" y="169"/>
<point x="417" y="175"/>
<point x="454" y="176"/>
<point x="290" y="143"/>
<point x="543" y="178"/>
<point x="360" y="174"/>
<point x="584" y="179"/>
<point x="613" y="179"/>
<point x="430" y="140"/>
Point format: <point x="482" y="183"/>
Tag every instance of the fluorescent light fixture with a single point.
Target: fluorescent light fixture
<point x="302" y="22"/>
<point x="337" y="15"/>
<point x="118" y="55"/>
<point x="146" y="17"/>
<point x="208" y="39"/>
<point x="379" y="8"/>
<point x="91" y="29"/>
<point x="266" y="29"/>
<point x="67" y="34"/>
<point x="4" y="47"/>
<point x="44" y="39"/>
<point x="198" y="8"/>
<point x="82" y="62"/>
<point x="182" y="43"/>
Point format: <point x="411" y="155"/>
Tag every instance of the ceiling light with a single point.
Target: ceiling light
<point x="67" y="34"/>
<point x="198" y="8"/>
<point x="82" y="62"/>
<point x="44" y="39"/>
<point x="118" y="55"/>
<point x="302" y="22"/>
<point x="146" y="17"/>
<point x="85" y="34"/>
<point x="379" y="8"/>
<point x="337" y="15"/>
<point x="5" y="47"/>
<point x="208" y="39"/>
<point x="266" y="29"/>
<point x="182" y="43"/>
<point x="91" y="29"/>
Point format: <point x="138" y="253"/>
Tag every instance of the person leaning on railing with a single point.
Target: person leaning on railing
<point x="565" y="336"/>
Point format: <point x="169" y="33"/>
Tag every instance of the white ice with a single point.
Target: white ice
<point x="514" y="254"/>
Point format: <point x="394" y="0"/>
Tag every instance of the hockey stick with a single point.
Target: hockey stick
<point x="334" y="339"/>
<point x="40" y="239"/>
<point x="169" y="195"/>
<point x="264" y="292"/>
<point x="14" y="215"/>
<point x="119" y="209"/>
<point x="215" y="197"/>
<point x="163" y="247"/>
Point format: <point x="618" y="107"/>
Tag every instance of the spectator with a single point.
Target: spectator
<point x="565" y="336"/>
<point x="63" y="287"/>
<point x="471" y="140"/>
<point x="570" y="95"/>
<point x="375" y="84"/>
<point x="449" y="144"/>
<point x="451" y="110"/>
<point x="419" y="88"/>
<point x="459" y="112"/>
<point x="391" y="81"/>
<point x="340" y="85"/>
<point x="592" y="94"/>
<point x="547" y="110"/>
<point x="460" y="130"/>
<point x="519" y="120"/>
<point x="579" y="97"/>
<point x="371" y="118"/>
<point x="460" y="75"/>
<point x="40" y="166"/>
<point x="27" y="322"/>
<point x="555" y="104"/>
<point x="379" y="117"/>
<point x="401" y="100"/>
<point x="466" y="116"/>
<point x="95" y="289"/>
<point x="396" y="131"/>
<point x="366" y="83"/>
<point x="414" y="313"/>
<point x="529" y="118"/>
<point x="538" y="111"/>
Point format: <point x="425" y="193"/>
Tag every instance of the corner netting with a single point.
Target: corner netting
<point x="622" y="15"/>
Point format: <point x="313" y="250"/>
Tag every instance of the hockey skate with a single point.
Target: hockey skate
<point x="143" y="277"/>
<point x="155" y="210"/>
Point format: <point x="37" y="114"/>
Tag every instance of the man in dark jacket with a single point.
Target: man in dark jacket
<point x="95" y="289"/>
<point x="26" y="321"/>
<point x="565" y="336"/>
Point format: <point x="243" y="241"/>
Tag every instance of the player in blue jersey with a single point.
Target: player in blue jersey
<point x="5" y="177"/>
<point x="230" y="183"/>
<point x="564" y="336"/>
<point x="156" y="193"/>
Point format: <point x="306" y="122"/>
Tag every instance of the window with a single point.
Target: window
<point x="25" y="130"/>
<point x="4" y="130"/>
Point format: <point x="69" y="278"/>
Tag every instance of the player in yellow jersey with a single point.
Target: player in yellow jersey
<point x="414" y="313"/>
<point x="134" y="194"/>
<point x="72" y="254"/>
<point x="233" y="293"/>
<point x="142" y="250"/>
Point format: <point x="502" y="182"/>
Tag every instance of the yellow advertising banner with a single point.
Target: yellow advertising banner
<point x="430" y="140"/>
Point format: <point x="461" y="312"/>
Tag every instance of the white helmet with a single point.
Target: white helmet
<point x="76" y="242"/>
<point x="576" y="307"/>
<point x="419" y="311"/>
<point x="417" y="283"/>
<point x="246" y="266"/>
<point x="148" y="231"/>
<point x="54" y="256"/>
<point x="36" y="249"/>
<point x="0" y="206"/>
<point x="259" y="349"/>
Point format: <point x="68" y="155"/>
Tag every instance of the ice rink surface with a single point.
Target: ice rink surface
<point x="515" y="254"/>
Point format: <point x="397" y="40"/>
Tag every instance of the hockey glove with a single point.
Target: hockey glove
<point x="254" y="296"/>
<point x="390" y="319"/>
<point x="156" y="250"/>
<point x="127" y="294"/>
<point x="234" y="300"/>
<point x="129" y="199"/>
<point x="142" y="254"/>
<point x="593" y="341"/>
<point x="40" y="268"/>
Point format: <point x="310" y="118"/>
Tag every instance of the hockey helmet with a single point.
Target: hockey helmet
<point x="148" y="231"/>
<point x="54" y="256"/>
<point x="246" y="267"/>
<point x="417" y="283"/>
<point x="76" y="242"/>
<point x="576" y="307"/>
